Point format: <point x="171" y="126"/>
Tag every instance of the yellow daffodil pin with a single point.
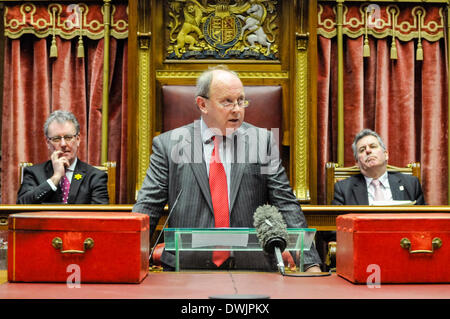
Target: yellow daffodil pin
<point x="78" y="177"/>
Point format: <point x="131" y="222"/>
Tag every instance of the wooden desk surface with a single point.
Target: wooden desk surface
<point x="202" y="285"/>
<point x="320" y="217"/>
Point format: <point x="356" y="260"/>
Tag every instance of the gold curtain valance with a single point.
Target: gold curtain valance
<point x="402" y="21"/>
<point x="65" y="20"/>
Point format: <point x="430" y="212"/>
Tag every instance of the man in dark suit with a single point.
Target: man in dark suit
<point x="183" y="165"/>
<point x="375" y="183"/>
<point x="64" y="178"/>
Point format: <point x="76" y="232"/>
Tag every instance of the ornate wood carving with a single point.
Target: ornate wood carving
<point x="222" y="30"/>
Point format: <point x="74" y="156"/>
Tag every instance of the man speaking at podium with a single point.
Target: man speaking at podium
<point x="216" y="172"/>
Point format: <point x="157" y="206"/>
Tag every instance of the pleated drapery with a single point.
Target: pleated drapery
<point x="403" y="99"/>
<point x="35" y="85"/>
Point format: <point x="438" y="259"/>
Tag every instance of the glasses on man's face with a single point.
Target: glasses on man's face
<point x="242" y="103"/>
<point x="58" y="139"/>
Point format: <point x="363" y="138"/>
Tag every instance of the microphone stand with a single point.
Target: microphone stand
<point x="279" y="260"/>
<point x="165" y="224"/>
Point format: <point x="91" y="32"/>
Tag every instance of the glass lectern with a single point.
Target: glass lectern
<point x="231" y="239"/>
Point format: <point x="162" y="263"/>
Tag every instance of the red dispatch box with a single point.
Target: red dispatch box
<point x="393" y="248"/>
<point x="78" y="247"/>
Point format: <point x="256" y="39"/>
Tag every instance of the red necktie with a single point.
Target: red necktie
<point x="65" y="187"/>
<point x="219" y="196"/>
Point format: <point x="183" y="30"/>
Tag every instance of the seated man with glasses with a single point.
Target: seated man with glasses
<point x="215" y="172"/>
<point x="64" y="178"/>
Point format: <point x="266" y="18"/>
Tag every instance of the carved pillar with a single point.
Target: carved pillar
<point x="301" y="126"/>
<point x="340" y="75"/>
<point x="145" y="109"/>
<point x="105" y="97"/>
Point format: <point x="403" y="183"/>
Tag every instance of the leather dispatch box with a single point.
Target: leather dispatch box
<point x="393" y="248"/>
<point x="78" y="247"/>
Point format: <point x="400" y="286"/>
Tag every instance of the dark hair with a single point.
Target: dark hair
<point x="362" y="134"/>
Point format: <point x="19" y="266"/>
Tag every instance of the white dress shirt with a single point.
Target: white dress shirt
<point x="385" y="188"/>
<point x="225" y="152"/>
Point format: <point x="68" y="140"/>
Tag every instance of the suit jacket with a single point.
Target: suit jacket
<point x="177" y="165"/>
<point x="353" y="190"/>
<point x="91" y="188"/>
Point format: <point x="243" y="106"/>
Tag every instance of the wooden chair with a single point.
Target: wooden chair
<point x="108" y="167"/>
<point x="265" y="110"/>
<point x="335" y="173"/>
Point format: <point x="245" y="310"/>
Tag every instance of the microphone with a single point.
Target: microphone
<point x="165" y="224"/>
<point x="271" y="231"/>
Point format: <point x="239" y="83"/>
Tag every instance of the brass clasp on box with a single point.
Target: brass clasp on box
<point x="435" y="244"/>
<point x="58" y="244"/>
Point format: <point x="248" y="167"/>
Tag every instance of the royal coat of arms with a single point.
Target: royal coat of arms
<point x="222" y="29"/>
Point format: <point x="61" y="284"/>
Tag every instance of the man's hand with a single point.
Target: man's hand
<point x="60" y="163"/>
<point x="313" y="269"/>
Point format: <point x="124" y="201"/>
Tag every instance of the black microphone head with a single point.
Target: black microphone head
<point x="270" y="228"/>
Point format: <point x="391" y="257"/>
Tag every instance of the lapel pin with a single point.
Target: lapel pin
<point x="401" y="187"/>
<point x="78" y="177"/>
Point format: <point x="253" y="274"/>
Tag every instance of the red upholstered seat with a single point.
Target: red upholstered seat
<point x="265" y="108"/>
<point x="179" y="109"/>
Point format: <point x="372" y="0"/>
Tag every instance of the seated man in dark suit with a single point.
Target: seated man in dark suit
<point x="63" y="178"/>
<point x="217" y="171"/>
<point x="375" y="183"/>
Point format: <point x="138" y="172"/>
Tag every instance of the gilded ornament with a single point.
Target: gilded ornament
<point x="222" y="29"/>
<point x="383" y="21"/>
<point x="62" y="20"/>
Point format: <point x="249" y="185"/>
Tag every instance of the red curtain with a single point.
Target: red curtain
<point x="404" y="100"/>
<point x="35" y="85"/>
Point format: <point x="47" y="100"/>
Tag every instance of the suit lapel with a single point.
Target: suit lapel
<point x="79" y="174"/>
<point x="360" y="191"/>
<point x="57" y="196"/>
<point x="48" y="170"/>
<point x="397" y="189"/>
<point x="194" y="156"/>
<point x="199" y="168"/>
<point x="201" y="176"/>
<point x="240" y="147"/>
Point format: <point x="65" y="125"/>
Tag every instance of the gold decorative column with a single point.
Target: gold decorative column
<point x="340" y="76"/>
<point x="105" y="97"/>
<point x="448" y="99"/>
<point x="301" y="125"/>
<point x="144" y="115"/>
<point x="300" y="141"/>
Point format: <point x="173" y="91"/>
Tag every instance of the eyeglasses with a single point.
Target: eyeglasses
<point x="242" y="103"/>
<point x="57" y="139"/>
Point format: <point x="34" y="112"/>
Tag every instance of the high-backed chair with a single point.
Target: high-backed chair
<point x="179" y="108"/>
<point x="265" y="109"/>
<point x="335" y="173"/>
<point x="108" y="167"/>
